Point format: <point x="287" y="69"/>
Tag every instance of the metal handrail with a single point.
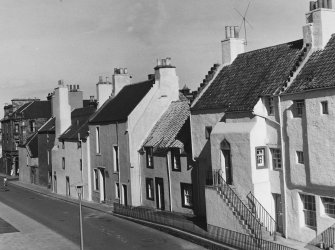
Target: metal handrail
<point x="262" y="214"/>
<point x="237" y="203"/>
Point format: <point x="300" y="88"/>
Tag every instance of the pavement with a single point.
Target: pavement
<point x="22" y="233"/>
<point x="109" y="210"/>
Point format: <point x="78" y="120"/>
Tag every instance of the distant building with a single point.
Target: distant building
<point x="21" y="119"/>
<point x="119" y="128"/>
<point x="169" y="177"/>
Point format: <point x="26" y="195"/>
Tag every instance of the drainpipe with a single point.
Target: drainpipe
<point x="117" y="144"/>
<point x="283" y="163"/>
<point x="168" y="166"/>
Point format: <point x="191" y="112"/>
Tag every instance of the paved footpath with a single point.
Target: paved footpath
<point x="31" y="235"/>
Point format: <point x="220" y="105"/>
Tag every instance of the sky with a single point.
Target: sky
<point x="43" y="41"/>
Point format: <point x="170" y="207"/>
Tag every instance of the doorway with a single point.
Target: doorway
<point x="55" y="183"/>
<point x="124" y="195"/>
<point x="278" y="212"/>
<point x="226" y="161"/>
<point x="160" y="204"/>
<point x="67" y="186"/>
<point x="102" y="180"/>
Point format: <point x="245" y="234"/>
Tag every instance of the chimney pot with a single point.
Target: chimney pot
<point x="168" y="61"/>
<point x="319" y="4"/>
<point x="125" y="70"/>
<point x="100" y="78"/>
<point x="70" y="87"/>
<point x="60" y="82"/>
<point x="159" y="62"/>
<point x="77" y="86"/>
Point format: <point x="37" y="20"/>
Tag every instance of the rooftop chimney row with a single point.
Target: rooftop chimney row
<point x="232" y="32"/>
<point x="326" y="4"/>
<point x="73" y="87"/>
<point x="119" y="71"/>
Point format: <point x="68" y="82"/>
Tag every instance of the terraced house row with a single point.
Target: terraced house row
<point x="253" y="152"/>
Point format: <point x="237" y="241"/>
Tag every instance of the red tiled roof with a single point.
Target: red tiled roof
<point x="164" y="134"/>
<point x="318" y="72"/>
<point x="118" y="109"/>
<point x="253" y="74"/>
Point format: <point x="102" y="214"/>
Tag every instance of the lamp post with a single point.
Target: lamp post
<point x="80" y="193"/>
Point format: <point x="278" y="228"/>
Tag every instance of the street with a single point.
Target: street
<point x="101" y="231"/>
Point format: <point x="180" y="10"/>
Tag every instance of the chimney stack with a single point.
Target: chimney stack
<point x="121" y="78"/>
<point x="320" y="23"/>
<point x="104" y="91"/>
<point x="232" y="46"/>
<point x="167" y="79"/>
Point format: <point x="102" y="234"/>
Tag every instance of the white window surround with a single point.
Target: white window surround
<point x="260" y="157"/>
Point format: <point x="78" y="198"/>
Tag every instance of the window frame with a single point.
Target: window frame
<point x="63" y="162"/>
<point x="32" y="126"/>
<point x="183" y="188"/>
<point x="299" y="106"/>
<point x="271" y="107"/>
<point x="175" y="159"/>
<point x="208" y="131"/>
<point x="300" y="157"/>
<point x="276" y="158"/>
<point x="259" y="165"/>
<point x="97" y="140"/>
<point x="149" y="155"/>
<point x="324" y="108"/>
<point x="149" y="189"/>
<point x="327" y="204"/>
<point x="309" y="209"/>
<point x="116" y="160"/>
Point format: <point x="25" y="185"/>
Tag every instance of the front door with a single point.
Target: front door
<point x="279" y="213"/>
<point x="160" y="204"/>
<point x="124" y="195"/>
<point x="229" y="177"/>
<point x="102" y="185"/>
<point x="55" y="183"/>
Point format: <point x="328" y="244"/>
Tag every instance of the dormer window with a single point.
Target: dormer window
<point x="271" y="109"/>
<point x="175" y="159"/>
<point x="149" y="156"/>
<point x="32" y="125"/>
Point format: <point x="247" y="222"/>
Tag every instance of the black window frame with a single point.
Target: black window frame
<point x="309" y="210"/>
<point x="149" y="154"/>
<point x="175" y="159"/>
<point x="149" y="185"/>
<point x="258" y="166"/>
<point x="299" y="106"/>
<point x="183" y="187"/>
<point x="208" y="131"/>
<point x="63" y="162"/>
<point x="324" y="108"/>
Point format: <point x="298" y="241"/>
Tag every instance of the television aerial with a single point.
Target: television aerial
<point x="244" y="20"/>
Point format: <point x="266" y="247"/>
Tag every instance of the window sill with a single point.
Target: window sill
<point x="176" y="169"/>
<point x="263" y="167"/>
<point x="98" y="154"/>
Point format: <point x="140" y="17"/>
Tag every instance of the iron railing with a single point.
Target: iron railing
<point x="327" y="237"/>
<point x="262" y="214"/>
<point x="189" y="230"/>
<point x="240" y="208"/>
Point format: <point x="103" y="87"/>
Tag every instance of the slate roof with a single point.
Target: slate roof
<point x="118" y="109"/>
<point x="318" y="72"/>
<point x="35" y="109"/>
<point x="238" y="86"/>
<point x="32" y="145"/>
<point x="79" y="124"/>
<point x="48" y="127"/>
<point x="164" y="134"/>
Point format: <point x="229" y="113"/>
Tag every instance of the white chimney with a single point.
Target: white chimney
<point x="232" y="46"/>
<point x="166" y="77"/>
<point x="320" y="23"/>
<point x="104" y="91"/>
<point x="121" y="78"/>
<point x="61" y="109"/>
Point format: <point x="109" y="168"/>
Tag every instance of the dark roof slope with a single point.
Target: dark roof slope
<point x="48" y="127"/>
<point x="239" y="85"/>
<point x="79" y="124"/>
<point x="32" y="145"/>
<point x="165" y="131"/>
<point x="118" y="108"/>
<point x="318" y="72"/>
<point x="35" y="109"/>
